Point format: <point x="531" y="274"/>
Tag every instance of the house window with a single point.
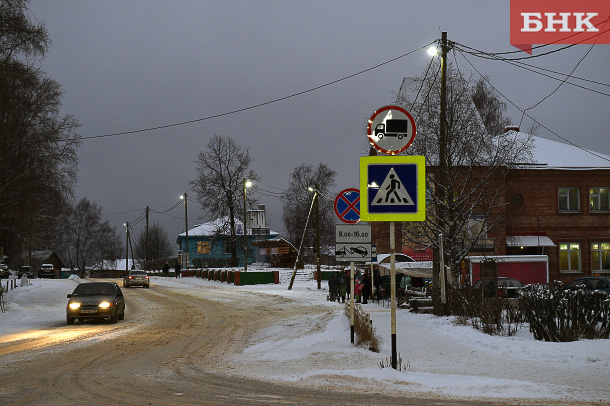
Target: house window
<point x="569" y="199"/>
<point x="599" y="199"/>
<point x="203" y="247"/>
<point x="569" y="257"/>
<point x="600" y="257"/>
<point x="228" y="247"/>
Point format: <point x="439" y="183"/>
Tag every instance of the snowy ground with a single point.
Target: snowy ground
<point x="440" y="357"/>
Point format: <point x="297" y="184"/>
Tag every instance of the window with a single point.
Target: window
<point x="569" y="199"/>
<point x="600" y="257"/>
<point x="203" y="247"/>
<point x="599" y="199"/>
<point x="569" y="257"/>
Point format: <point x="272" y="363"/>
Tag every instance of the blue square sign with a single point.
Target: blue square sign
<point x="394" y="188"/>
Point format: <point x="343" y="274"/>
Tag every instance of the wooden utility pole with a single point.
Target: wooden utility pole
<point x="318" y="271"/>
<point x="147" y="252"/>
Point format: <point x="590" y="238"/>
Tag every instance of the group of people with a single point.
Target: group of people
<point x="177" y="270"/>
<point x="338" y="289"/>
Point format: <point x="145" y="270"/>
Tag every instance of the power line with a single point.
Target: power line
<point x="527" y="115"/>
<point x="260" y="104"/>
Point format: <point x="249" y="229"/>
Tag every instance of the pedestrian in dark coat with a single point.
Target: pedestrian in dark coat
<point x="177" y="268"/>
<point x="341" y="287"/>
<point x="366" y="289"/>
<point x="166" y="269"/>
<point x="332" y="288"/>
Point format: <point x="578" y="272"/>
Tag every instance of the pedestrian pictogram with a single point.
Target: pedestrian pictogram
<point x="392" y="192"/>
<point x="393" y="188"/>
<point x="347" y="206"/>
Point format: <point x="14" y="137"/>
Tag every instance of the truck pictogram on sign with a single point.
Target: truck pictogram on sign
<point x="392" y="128"/>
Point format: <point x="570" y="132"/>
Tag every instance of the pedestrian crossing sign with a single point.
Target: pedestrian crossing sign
<point x="393" y="188"/>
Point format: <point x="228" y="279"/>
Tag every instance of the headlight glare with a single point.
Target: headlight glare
<point x="74" y="305"/>
<point x="105" y="305"/>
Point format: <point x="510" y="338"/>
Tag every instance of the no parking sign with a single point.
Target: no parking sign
<point x="347" y="206"/>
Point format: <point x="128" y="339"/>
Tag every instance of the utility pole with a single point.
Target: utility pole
<point x="442" y="156"/>
<point x="247" y="184"/>
<point x="146" y="255"/>
<point x="318" y="272"/>
<point x="127" y="247"/>
<point x="186" y="228"/>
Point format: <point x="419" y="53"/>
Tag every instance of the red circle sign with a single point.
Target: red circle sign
<point x="391" y="130"/>
<point x="347" y="206"/>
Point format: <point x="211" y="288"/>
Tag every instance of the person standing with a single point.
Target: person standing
<point x="366" y="287"/>
<point x="177" y="268"/>
<point x="166" y="269"/>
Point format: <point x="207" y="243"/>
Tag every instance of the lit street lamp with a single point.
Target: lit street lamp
<point x="316" y="198"/>
<point x="185" y="263"/>
<point x="247" y="184"/>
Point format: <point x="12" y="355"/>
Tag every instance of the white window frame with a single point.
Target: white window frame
<point x="570" y="248"/>
<point x="564" y="194"/>
<point x="599" y="248"/>
<point x="596" y="204"/>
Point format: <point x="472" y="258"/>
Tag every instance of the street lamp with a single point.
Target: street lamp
<point x="247" y="184"/>
<point x="126" y="224"/>
<point x="316" y="198"/>
<point x="185" y="263"/>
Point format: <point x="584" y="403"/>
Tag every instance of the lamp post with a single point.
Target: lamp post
<point x="186" y="228"/>
<point x="316" y="200"/>
<point x="126" y="224"/>
<point x="247" y="184"/>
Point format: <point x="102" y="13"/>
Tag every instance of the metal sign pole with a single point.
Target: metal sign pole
<point x="351" y="300"/>
<point x="393" y="291"/>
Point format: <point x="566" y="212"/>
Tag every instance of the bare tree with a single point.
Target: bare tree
<point x="38" y="159"/>
<point x="221" y="170"/>
<point x="466" y="198"/>
<point x="298" y="201"/>
<point x="159" y="246"/>
<point x="85" y="239"/>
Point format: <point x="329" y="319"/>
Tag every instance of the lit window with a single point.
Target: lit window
<point x="599" y="199"/>
<point x="203" y="247"/>
<point x="569" y="257"/>
<point x="600" y="257"/>
<point x="569" y="199"/>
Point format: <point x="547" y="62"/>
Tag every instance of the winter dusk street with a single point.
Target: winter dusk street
<point x="296" y="337"/>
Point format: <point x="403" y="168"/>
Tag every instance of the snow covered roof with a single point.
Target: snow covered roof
<point x="553" y="155"/>
<point x="212" y="227"/>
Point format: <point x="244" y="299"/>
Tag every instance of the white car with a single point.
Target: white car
<point x="136" y="278"/>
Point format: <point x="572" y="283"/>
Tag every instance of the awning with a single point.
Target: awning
<point x="422" y="269"/>
<point x="529" y="241"/>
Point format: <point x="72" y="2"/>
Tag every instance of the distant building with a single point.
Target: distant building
<point x="209" y="244"/>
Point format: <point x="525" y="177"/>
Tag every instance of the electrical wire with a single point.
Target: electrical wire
<point x="255" y="106"/>
<point x="527" y="115"/>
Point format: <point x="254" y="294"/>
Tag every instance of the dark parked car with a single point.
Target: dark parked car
<point x="136" y="278"/>
<point x="507" y="288"/>
<point x="25" y="270"/>
<point x="4" y="271"/>
<point x="591" y="283"/>
<point x="96" y="300"/>
<point x="46" y="271"/>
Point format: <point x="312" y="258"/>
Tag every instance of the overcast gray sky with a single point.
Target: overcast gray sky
<point x="128" y="65"/>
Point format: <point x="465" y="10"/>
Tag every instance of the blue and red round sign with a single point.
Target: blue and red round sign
<point x="347" y="206"/>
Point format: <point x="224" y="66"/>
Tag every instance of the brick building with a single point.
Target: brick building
<point x="560" y="207"/>
<point x="557" y="205"/>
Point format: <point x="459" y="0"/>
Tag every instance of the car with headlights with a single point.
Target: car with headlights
<point x="46" y="271"/>
<point x="136" y="278"/>
<point x="590" y="283"/>
<point x="96" y="300"/>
